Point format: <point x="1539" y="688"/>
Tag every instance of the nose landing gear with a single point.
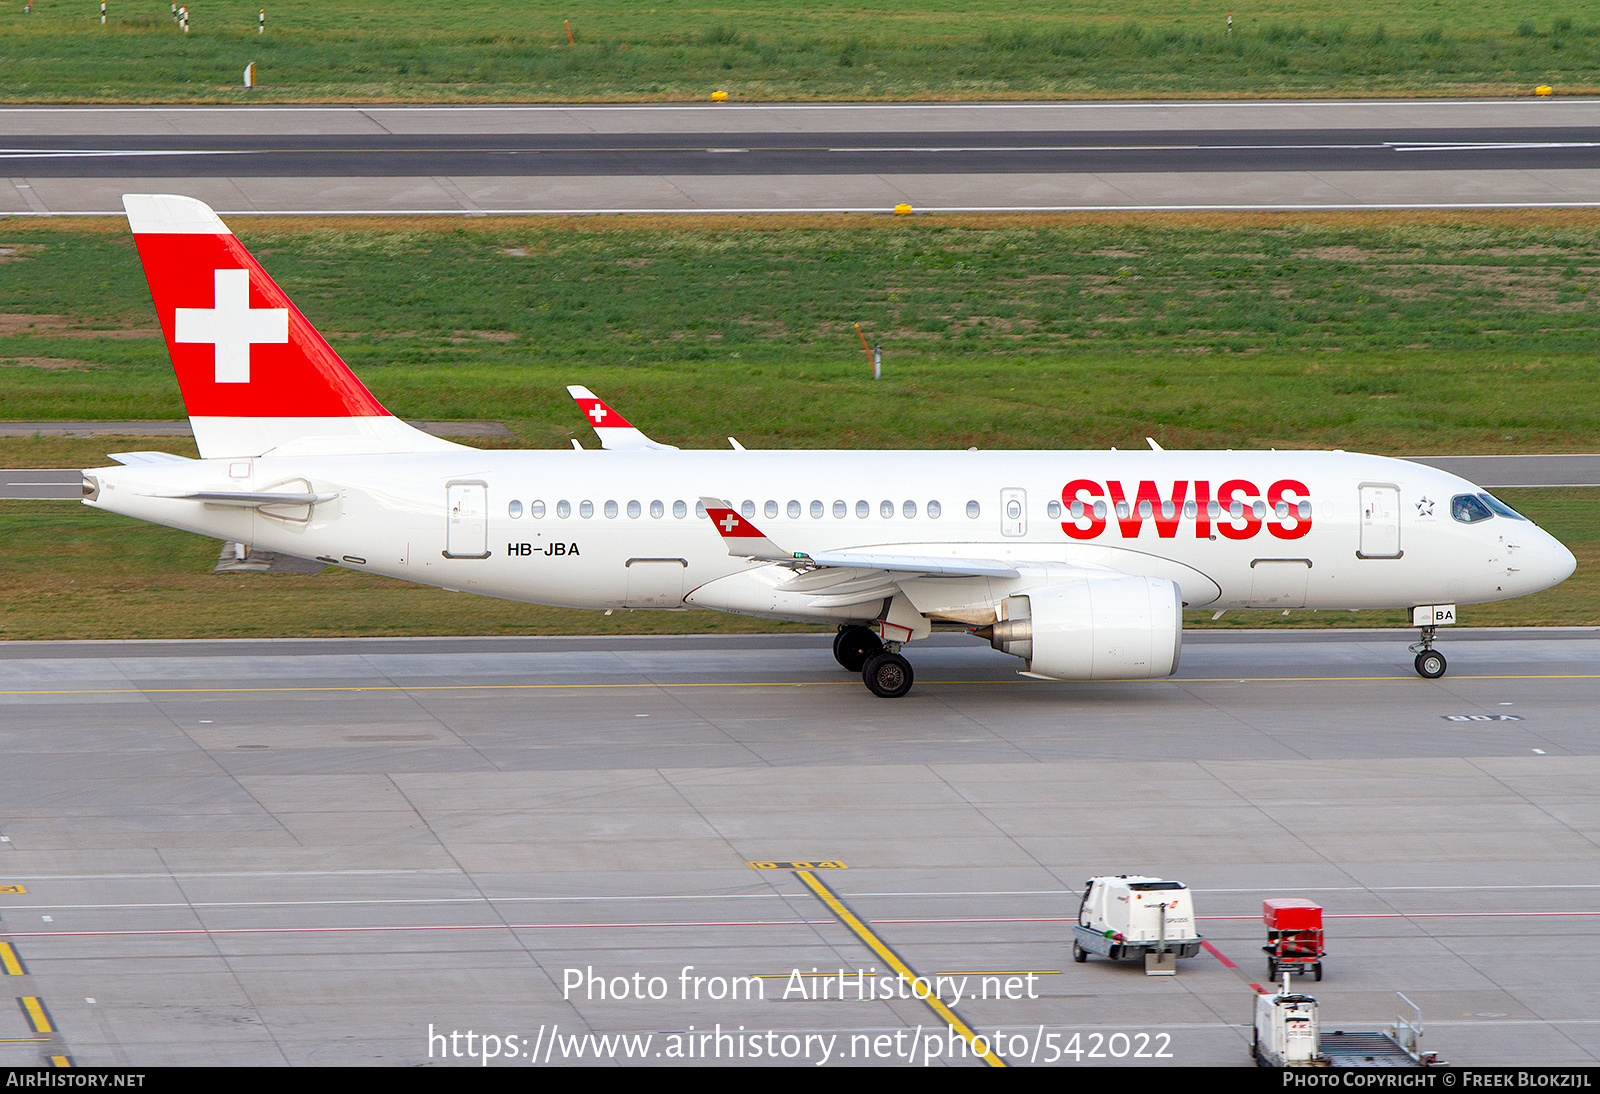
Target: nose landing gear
<point x="1430" y="663"/>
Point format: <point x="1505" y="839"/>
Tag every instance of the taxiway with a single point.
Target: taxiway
<point x="312" y="852"/>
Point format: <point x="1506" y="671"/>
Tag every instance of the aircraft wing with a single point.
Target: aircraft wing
<point x="745" y="540"/>
<point x="612" y="428"/>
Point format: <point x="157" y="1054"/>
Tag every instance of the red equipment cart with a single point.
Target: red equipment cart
<point x="1294" y="937"/>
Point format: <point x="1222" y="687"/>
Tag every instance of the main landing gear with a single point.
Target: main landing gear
<point x="886" y="674"/>
<point x="1430" y="663"/>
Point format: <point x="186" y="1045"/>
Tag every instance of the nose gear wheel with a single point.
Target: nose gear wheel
<point x="1430" y="663"/>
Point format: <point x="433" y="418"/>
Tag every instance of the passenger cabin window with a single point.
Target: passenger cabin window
<point x="611" y="510"/>
<point x="680" y="509"/>
<point x="770" y="509"/>
<point x="1468" y="509"/>
<point x="700" y="509"/>
<point x="658" y="510"/>
<point x="974" y="510"/>
<point x="536" y="509"/>
<point x="816" y="510"/>
<point x="515" y="509"/>
<point x="934" y="510"/>
<point x="840" y="509"/>
<point x="909" y="510"/>
<point x="863" y="509"/>
<point x="563" y="509"/>
<point x="793" y="509"/>
<point x="634" y="510"/>
<point x="1053" y="510"/>
<point x="886" y="509"/>
<point x="748" y="509"/>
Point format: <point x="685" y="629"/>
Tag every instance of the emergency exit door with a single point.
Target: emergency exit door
<point x="467" y="520"/>
<point x="1380" y="521"/>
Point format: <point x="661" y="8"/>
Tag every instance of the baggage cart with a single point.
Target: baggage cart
<point x="1294" y="937"/>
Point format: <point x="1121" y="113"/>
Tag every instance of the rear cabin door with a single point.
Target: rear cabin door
<point x="1380" y="521"/>
<point x="467" y="516"/>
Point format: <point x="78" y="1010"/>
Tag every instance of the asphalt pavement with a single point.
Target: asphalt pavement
<point x="792" y="157"/>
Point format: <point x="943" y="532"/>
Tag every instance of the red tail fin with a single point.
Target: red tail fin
<point x="255" y="375"/>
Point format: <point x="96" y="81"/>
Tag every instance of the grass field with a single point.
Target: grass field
<point x="482" y="50"/>
<point x="1463" y="334"/>
<point x="1438" y="334"/>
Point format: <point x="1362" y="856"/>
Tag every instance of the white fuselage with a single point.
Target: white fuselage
<point x="1380" y="533"/>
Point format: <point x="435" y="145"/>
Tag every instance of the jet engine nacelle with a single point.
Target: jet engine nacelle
<point x="1103" y="628"/>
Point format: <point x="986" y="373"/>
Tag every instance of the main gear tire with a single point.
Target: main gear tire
<point x="853" y="645"/>
<point x="887" y="675"/>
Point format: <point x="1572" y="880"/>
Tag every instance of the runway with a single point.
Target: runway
<point x="311" y="852"/>
<point x="806" y="157"/>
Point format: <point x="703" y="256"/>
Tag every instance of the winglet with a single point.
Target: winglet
<point x="612" y="428"/>
<point x="743" y="538"/>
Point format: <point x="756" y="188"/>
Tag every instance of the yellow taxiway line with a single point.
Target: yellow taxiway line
<point x="35" y="1012"/>
<point x="892" y="959"/>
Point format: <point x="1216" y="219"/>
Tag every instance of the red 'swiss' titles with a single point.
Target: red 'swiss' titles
<point x="1237" y="510"/>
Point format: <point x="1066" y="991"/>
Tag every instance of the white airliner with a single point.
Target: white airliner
<point x="1079" y="563"/>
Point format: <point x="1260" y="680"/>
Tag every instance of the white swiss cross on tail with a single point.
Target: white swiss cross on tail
<point x="231" y="325"/>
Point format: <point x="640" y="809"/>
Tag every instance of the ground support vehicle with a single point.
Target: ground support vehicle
<point x="1130" y="915"/>
<point x="1287" y="1034"/>
<point x="1294" y="937"/>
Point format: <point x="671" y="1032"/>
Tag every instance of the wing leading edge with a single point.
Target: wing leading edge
<point x="743" y="539"/>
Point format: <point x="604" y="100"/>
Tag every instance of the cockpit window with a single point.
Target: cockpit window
<point x="1500" y="507"/>
<point x="1468" y="509"/>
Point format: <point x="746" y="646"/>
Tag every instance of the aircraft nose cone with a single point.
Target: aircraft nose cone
<point x="1562" y="562"/>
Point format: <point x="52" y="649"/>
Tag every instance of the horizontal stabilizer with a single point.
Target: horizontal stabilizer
<point x="145" y="459"/>
<point x="249" y="499"/>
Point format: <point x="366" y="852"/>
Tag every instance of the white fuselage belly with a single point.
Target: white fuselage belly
<point x="391" y="518"/>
